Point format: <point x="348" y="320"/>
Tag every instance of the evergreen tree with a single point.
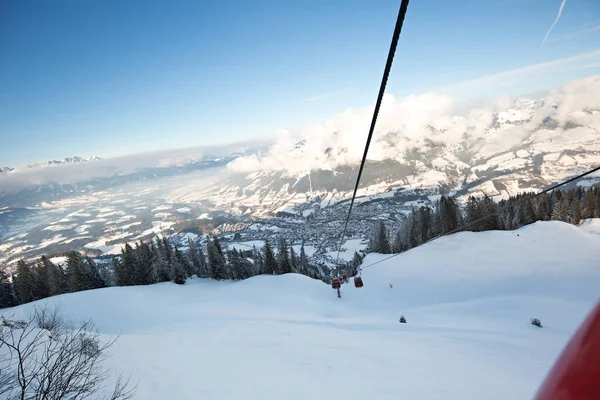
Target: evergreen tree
<point x="589" y="205"/>
<point x="283" y="257"/>
<point x="561" y="210"/>
<point x="76" y="272"/>
<point x="217" y="244"/>
<point x="24" y="283"/>
<point x="216" y="260"/>
<point x="356" y="260"/>
<point x="7" y="294"/>
<point x="239" y="265"/>
<point x="382" y="239"/>
<point x="128" y="267"/>
<point x="576" y="212"/>
<point x="160" y="265"/>
<point x="270" y="263"/>
<point x="204" y="270"/>
<point x="119" y="273"/>
<point x="167" y="249"/>
<point x="55" y="276"/>
<point x="178" y="272"/>
<point x="195" y="258"/>
<point x="398" y="245"/>
<point x="303" y="261"/>
<point x="529" y="214"/>
<point x="41" y="273"/>
<point x="450" y="215"/>
<point x="95" y="279"/>
<point x="259" y="263"/>
<point x="294" y="261"/>
<point x="543" y="208"/>
<point x="143" y="265"/>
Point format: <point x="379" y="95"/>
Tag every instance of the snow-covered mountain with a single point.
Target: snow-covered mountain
<point x="520" y="146"/>
<point x="468" y="300"/>
<point x="6" y="169"/>
<point x="67" y="160"/>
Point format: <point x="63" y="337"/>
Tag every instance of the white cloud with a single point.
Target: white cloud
<point x="81" y="172"/>
<point x="407" y="123"/>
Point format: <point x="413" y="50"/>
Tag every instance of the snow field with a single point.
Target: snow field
<point x="468" y="300"/>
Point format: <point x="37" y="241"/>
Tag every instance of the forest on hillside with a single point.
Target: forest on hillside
<point x="483" y="214"/>
<point x="146" y="263"/>
<point x="158" y="260"/>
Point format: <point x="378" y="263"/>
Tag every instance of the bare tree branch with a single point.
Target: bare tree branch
<point x="46" y="358"/>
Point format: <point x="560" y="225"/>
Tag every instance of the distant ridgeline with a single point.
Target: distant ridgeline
<point x="484" y="214"/>
<point x="152" y="262"/>
<point x="156" y="261"/>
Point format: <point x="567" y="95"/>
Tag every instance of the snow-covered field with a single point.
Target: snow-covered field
<point x="468" y="300"/>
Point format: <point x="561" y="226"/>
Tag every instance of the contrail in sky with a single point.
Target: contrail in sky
<point x="560" y="10"/>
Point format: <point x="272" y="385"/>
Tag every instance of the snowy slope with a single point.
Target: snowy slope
<point x="468" y="300"/>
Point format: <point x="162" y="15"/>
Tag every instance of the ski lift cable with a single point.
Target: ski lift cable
<point x="462" y="227"/>
<point x="384" y="79"/>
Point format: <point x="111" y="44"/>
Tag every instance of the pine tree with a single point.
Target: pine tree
<point x="379" y="242"/>
<point x="398" y="245"/>
<point x="589" y="205"/>
<point x="270" y="261"/>
<point x="143" y="266"/>
<point x="178" y="272"/>
<point x="489" y="209"/>
<point x="356" y="260"/>
<point x="238" y="265"/>
<point x="425" y="225"/>
<point x="450" y="216"/>
<point x="194" y="258"/>
<point x="24" y="282"/>
<point x="576" y="212"/>
<point x="129" y="266"/>
<point x="168" y="249"/>
<point x="7" y="294"/>
<point x="40" y="272"/>
<point x="204" y="270"/>
<point x="543" y="208"/>
<point x="95" y="279"/>
<point x="55" y="277"/>
<point x="259" y="263"/>
<point x="283" y="257"/>
<point x="119" y="273"/>
<point x="217" y="244"/>
<point x="76" y="272"/>
<point x="529" y="214"/>
<point x="294" y="261"/>
<point x="160" y="265"/>
<point x="216" y="260"/>
<point x="303" y="261"/>
<point x="561" y="210"/>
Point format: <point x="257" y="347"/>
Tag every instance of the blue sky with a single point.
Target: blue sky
<point x="114" y="77"/>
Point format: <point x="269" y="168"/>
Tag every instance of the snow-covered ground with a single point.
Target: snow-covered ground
<point x="591" y="225"/>
<point x="468" y="300"/>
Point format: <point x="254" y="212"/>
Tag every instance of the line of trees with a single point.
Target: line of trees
<point x="483" y="214"/>
<point x="145" y="263"/>
<point x="42" y="278"/>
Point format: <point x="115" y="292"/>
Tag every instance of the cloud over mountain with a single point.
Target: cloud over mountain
<point x="424" y="120"/>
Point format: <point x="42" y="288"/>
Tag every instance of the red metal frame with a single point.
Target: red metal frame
<point x="576" y="373"/>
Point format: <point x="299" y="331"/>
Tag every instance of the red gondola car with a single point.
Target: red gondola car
<point x="358" y="282"/>
<point x="335" y="283"/>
